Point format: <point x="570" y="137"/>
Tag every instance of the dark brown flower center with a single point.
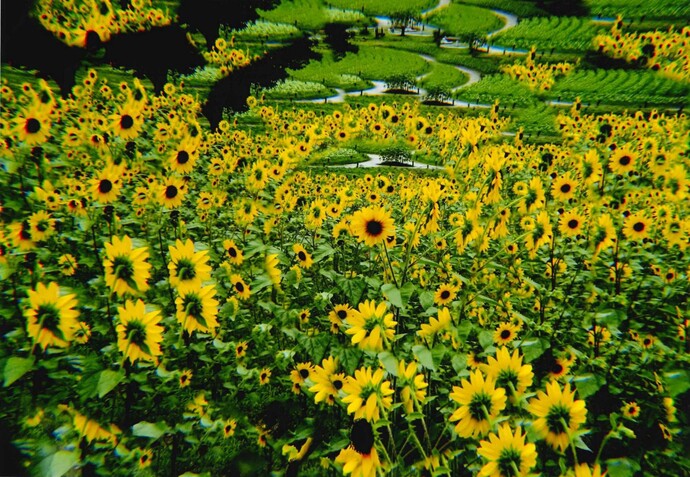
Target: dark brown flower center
<point x="32" y="125"/>
<point x="171" y="192"/>
<point x="374" y="228"/>
<point x="126" y="121"/>
<point x="105" y="186"/>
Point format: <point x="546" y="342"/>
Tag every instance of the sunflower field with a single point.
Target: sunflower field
<point x="188" y="300"/>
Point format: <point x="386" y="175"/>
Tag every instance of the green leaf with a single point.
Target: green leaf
<point x="150" y="429"/>
<point x="426" y="299"/>
<point x="621" y="467"/>
<point x="392" y="294"/>
<point x="486" y="338"/>
<point x="532" y="348"/>
<point x="677" y="381"/>
<point x="107" y="381"/>
<point x="459" y="362"/>
<point x="424" y="356"/>
<point x="349" y="359"/>
<point x="16" y="367"/>
<point x="316" y="346"/>
<point x="58" y="464"/>
<point x="353" y="288"/>
<point x="389" y="361"/>
<point x="322" y="251"/>
<point x="588" y="384"/>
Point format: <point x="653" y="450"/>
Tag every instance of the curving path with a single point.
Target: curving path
<point x="375" y="161"/>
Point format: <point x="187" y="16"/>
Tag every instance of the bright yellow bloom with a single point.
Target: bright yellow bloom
<point x="367" y="394"/>
<point x="197" y="308"/>
<point x="480" y="401"/>
<point x="139" y="333"/>
<point x="126" y="268"/>
<point x="507" y="454"/>
<point x="186" y="266"/>
<point x="327" y="383"/>
<point x="51" y="317"/>
<point x="558" y="414"/>
<point x="372" y="225"/>
<point x="508" y="371"/>
<point x="370" y="326"/>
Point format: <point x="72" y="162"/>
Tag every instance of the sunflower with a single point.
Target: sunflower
<point x="558" y="414"/>
<point x="508" y="371"/>
<point x="371" y="326"/>
<point x="303" y="257"/>
<point x="622" y="161"/>
<point x="558" y="368"/>
<point x="127" y="121"/>
<point x="480" y="401"/>
<point x="67" y="264"/>
<point x="82" y="333"/>
<point x="51" y="317"/>
<point x="235" y="255"/>
<point x="571" y="223"/>
<point x="145" y="458"/>
<point x="301" y="373"/>
<point x="229" y="428"/>
<point x="240" y="287"/>
<point x="184" y="156"/>
<point x="185" y="378"/>
<point x="445" y="294"/>
<point x="636" y="226"/>
<point x="604" y="234"/>
<point x="264" y="376"/>
<point x="360" y="458"/>
<point x="435" y="325"/>
<point x="372" y="225"/>
<point x="583" y="470"/>
<point x="505" y="333"/>
<point x="139" y="333"/>
<point x="171" y="192"/>
<point x="367" y="394"/>
<point x="186" y="266"/>
<point x="105" y="187"/>
<point x="413" y="385"/>
<point x="126" y="269"/>
<point x="507" y="454"/>
<point x="272" y="269"/>
<point x="327" y="383"/>
<point x="41" y="225"/>
<point x="241" y="349"/>
<point x="32" y="124"/>
<point x="630" y="410"/>
<point x="563" y="188"/>
<point x="338" y="315"/>
<point x="197" y="308"/>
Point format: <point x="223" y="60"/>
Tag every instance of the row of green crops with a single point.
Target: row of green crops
<point x="443" y="76"/>
<point x="568" y="34"/>
<point x="295" y="89"/>
<point x="311" y="15"/>
<point x="389" y="8"/>
<point x="458" y="19"/>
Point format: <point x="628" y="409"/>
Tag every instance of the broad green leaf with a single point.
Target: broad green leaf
<point x="392" y="294"/>
<point x="349" y="359"/>
<point x="486" y="338"/>
<point x="316" y="346"/>
<point x="426" y="299"/>
<point x="150" y="429"/>
<point x="16" y="367"/>
<point x="677" y="381"/>
<point x="459" y="362"/>
<point x="107" y="381"/>
<point x="352" y="288"/>
<point x="58" y="464"/>
<point x="389" y="361"/>
<point x="621" y="467"/>
<point x="322" y="251"/>
<point x="424" y="356"/>
<point x="588" y="384"/>
<point x="532" y="348"/>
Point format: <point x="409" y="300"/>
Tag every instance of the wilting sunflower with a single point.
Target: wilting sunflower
<point x="367" y="394"/>
<point x="51" y="318"/>
<point x="139" y="333"/>
<point x="197" y="308"/>
<point x="327" y="383"/>
<point x="479" y="401"/>
<point x="507" y="454"/>
<point x="186" y="266"/>
<point x="303" y="257"/>
<point x="126" y="269"/>
<point x="372" y="225"/>
<point x="371" y="326"/>
<point x="508" y="371"/>
<point x="171" y="192"/>
<point x="105" y="187"/>
<point x="360" y="458"/>
<point x="558" y="414"/>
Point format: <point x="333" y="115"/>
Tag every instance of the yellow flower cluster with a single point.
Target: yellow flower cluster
<point x="538" y="76"/>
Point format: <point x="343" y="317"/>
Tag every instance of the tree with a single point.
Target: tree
<point x="403" y="17"/>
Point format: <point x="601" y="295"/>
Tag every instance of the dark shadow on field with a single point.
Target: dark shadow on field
<point x="568" y="8"/>
<point x="232" y="91"/>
